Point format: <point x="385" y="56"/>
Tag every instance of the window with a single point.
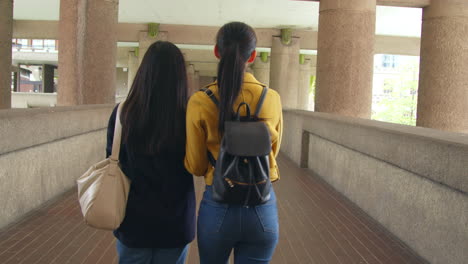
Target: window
<point x="388" y="86"/>
<point x="49" y="44"/>
<point x="38" y="44"/>
<point x="389" y="61"/>
<point x="22" y="43"/>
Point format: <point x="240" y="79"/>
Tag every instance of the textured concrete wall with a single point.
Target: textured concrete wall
<point x="6" y="22"/>
<point x="205" y="80"/>
<point x="43" y="152"/>
<point x="404" y="177"/>
<point x="443" y="81"/>
<point x="345" y="57"/>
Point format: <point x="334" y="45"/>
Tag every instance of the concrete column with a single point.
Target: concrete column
<point x="191" y="79"/>
<point x="15" y="81"/>
<point x="6" y="29"/>
<point x="284" y="70"/>
<point x="345" y="57"/>
<point x="48" y="78"/>
<point x="305" y="73"/>
<point x="196" y="81"/>
<point x="132" y="68"/>
<point x="261" y="69"/>
<point x="443" y="80"/>
<point x="145" y="40"/>
<point x="87" y="52"/>
<point x="205" y="80"/>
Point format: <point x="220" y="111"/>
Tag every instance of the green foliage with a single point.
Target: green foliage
<point x="400" y="110"/>
<point x="301" y="58"/>
<point x="264" y="56"/>
<point x="312" y="84"/>
<point x="312" y="88"/>
<point x="400" y="102"/>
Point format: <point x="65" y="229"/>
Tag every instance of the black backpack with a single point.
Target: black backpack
<point x="242" y="171"/>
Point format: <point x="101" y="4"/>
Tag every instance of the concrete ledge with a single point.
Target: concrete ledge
<point x="413" y="180"/>
<point x="437" y="155"/>
<point x="43" y="152"/>
<point x="33" y="100"/>
<point x="31" y="177"/>
<point x="411" y="207"/>
<point x="23" y="128"/>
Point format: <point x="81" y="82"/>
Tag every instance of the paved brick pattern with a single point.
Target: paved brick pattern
<point x="317" y="225"/>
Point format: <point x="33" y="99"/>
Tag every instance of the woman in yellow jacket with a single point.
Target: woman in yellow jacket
<point x="252" y="231"/>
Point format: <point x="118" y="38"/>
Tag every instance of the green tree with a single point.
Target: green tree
<point x="400" y="102"/>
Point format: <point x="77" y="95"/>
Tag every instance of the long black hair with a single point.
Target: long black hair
<point x="236" y="41"/>
<point x="153" y="116"/>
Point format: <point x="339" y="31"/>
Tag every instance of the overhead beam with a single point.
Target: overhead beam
<point x="205" y="35"/>
<point x="404" y="3"/>
<point x="398" y="3"/>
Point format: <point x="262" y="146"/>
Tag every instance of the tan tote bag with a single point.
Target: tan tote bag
<point x="103" y="189"/>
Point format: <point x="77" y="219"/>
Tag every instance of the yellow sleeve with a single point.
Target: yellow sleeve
<point x="196" y="160"/>
<point x="279" y="127"/>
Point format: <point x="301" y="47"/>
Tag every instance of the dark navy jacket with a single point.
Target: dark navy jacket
<point x="161" y="203"/>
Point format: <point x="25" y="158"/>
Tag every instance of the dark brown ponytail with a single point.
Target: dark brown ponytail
<point x="236" y="41"/>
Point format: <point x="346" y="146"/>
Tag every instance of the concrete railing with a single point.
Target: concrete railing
<point x="33" y="100"/>
<point x="413" y="180"/>
<point x="43" y="152"/>
<point x="40" y="100"/>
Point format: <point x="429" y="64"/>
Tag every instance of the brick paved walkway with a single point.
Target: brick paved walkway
<point x="317" y="225"/>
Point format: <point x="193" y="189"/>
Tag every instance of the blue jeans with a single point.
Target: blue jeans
<point x="251" y="231"/>
<point x="151" y="255"/>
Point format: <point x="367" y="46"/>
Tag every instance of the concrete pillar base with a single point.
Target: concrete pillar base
<point x="284" y="70"/>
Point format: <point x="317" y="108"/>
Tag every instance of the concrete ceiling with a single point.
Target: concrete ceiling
<point x="394" y="21"/>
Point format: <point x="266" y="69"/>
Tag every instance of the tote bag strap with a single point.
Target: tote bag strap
<point x="117" y="135"/>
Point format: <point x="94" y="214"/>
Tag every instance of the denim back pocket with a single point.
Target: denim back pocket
<point x="211" y="216"/>
<point x="268" y="216"/>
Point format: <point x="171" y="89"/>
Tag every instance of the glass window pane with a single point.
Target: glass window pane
<point x="38" y="43"/>
<point x="22" y="42"/>
<point x="49" y="43"/>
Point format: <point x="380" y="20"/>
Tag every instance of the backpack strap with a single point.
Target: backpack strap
<point x="211" y="95"/>
<point x="213" y="98"/>
<point x="261" y="100"/>
<point x="211" y="159"/>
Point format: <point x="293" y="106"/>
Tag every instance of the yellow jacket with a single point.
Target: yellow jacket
<point x="202" y="126"/>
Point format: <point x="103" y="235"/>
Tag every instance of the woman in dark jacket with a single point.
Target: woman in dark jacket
<point x="160" y="216"/>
